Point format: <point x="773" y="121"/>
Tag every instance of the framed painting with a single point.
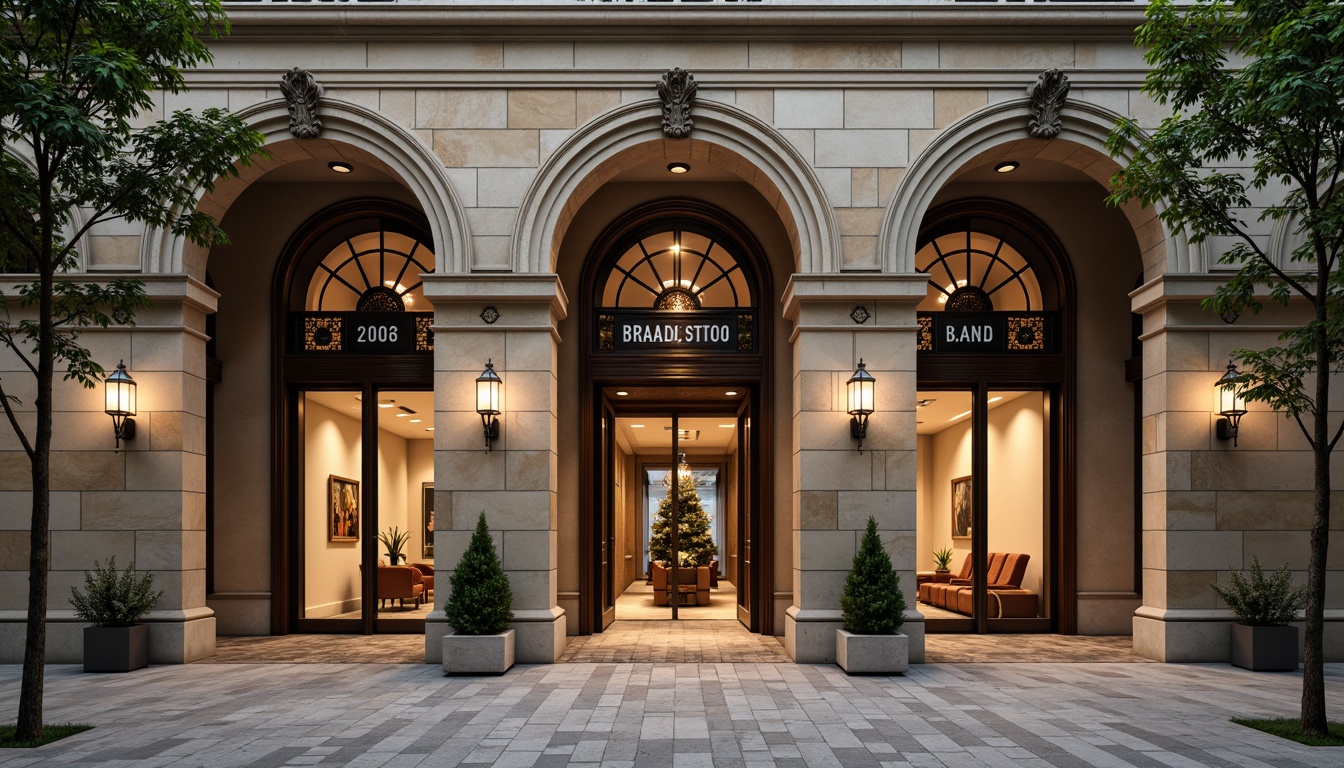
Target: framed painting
<point x="427" y="520"/>
<point x="343" y="509"/>
<point x="961" y="507"/>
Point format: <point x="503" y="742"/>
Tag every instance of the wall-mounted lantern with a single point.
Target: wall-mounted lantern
<point x="487" y="402"/>
<point x="1229" y="403"/>
<point x="860" y="391"/>
<point x="119" y="388"/>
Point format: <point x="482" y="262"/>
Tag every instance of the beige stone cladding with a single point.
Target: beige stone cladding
<point x="1210" y="507"/>
<point x="837" y="486"/>
<point x="514" y="483"/>
<point x="144" y="504"/>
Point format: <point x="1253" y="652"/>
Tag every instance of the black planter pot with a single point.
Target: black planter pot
<point x="1265" y="649"/>
<point x="116" y="649"/>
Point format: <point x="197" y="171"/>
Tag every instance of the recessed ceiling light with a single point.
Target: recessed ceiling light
<point x="386" y="403"/>
<point x="416" y="421"/>
<point x="340" y="167"/>
<point x="1007" y="166"/>
<point x="429" y="429"/>
<point x="959" y="415"/>
<point x="402" y="415"/>
<point x="994" y="399"/>
<point x="679" y="167"/>
<point x="636" y="426"/>
<point x="622" y="393"/>
<point x="730" y="393"/>
<point x="925" y="402"/>
<point x="727" y="426"/>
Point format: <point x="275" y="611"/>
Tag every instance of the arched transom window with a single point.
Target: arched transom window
<point x="676" y="270"/>
<point x="375" y="271"/>
<point x="972" y="271"/>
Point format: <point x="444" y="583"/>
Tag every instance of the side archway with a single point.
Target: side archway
<point x="346" y="127"/>
<point x="999" y="131"/>
<point x="631" y="134"/>
<point x="23" y="152"/>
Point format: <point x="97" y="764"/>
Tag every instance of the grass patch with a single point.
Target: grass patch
<point x="1290" y="728"/>
<point x="50" y="733"/>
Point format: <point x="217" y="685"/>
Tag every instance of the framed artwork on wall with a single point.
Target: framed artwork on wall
<point x="961" y="507"/>
<point x="427" y="520"/>
<point x="343" y="511"/>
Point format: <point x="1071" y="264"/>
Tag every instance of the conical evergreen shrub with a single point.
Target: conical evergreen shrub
<point x="695" y="542"/>
<point x="481" y="602"/>
<point x="872" y="603"/>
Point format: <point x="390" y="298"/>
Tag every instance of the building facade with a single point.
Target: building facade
<point x="674" y="231"/>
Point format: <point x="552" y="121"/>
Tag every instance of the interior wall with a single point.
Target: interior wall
<point x="419" y="470"/>
<point x="259" y="223"/>
<point x="606" y="204"/>
<point x="393" y="500"/>
<point x="1016" y="482"/>
<point x="331" y="446"/>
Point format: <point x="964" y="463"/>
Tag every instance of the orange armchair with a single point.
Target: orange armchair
<point x="399" y="582"/>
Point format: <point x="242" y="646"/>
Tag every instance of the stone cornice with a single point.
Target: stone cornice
<point x="593" y="21"/>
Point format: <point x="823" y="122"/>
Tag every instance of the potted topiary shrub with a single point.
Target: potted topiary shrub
<point x="479" y="609"/>
<point x="942" y="558"/>
<point x="1263" y="639"/>
<point x="872" y="608"/>
<point x="114" y="604"/>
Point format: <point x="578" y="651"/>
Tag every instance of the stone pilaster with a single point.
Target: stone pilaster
<point x="835" y="487"/>
<point x="1209" y="507"/>
<point x="515" y="482"/>
<point x="143" y="504"/>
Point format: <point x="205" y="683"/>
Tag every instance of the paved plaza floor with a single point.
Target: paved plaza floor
<point x="631" y="715"/>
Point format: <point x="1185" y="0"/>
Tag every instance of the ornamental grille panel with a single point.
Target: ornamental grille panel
<point x="324" y="333"/>
<point x="989" y="332"/>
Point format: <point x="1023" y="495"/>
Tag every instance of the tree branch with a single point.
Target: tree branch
<point x="14" y="422"/>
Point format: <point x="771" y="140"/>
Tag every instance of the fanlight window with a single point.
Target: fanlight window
<point x="373" y="272"/>
<point x="676" y="271"/>
<point x="975" y="272"/>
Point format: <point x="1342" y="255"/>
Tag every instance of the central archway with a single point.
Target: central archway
<point x="674" y="337"/>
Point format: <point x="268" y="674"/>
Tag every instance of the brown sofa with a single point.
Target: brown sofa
<point x="398" y="582"/>
<point x="926" y="586"/>
<point x="1007" y="598"/>
<point x="693" y="580"/>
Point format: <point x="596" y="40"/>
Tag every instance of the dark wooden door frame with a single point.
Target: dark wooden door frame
<point x="1053" y="373"/>
<point x="751" y="371"/>
<point x="292" y="373"/>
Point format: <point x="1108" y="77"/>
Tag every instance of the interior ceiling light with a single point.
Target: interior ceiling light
<point x="994" y="399"/>
<point x="1007" y="166"/>
<point x="636" y="426"/>
<point x="727" y="426"/>
<point x="685" y="434"/>
<point x="621" y="393"/>
<point x="959" y="415"/>
<point x="926" y="402"/>
<point x="416" y="421"/>
<point x="402" y="415"/>
<point x="340" y="167"/>
<point x="730" y="393"/>
<point x="386" y="403"/>
<point x="678" y="167"/>
<point x="429" y="429"/>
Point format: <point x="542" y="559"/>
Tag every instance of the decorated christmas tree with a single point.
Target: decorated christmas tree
<point x="694" y="542"/>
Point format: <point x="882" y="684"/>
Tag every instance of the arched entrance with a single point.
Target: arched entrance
<point x="673" y="370"/>
<point x="995" y="402"/>
<point x="353" y="433"/>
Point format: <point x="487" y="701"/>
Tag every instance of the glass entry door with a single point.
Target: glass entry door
<point x="985" y="479"/>
<point x="364" y="503"/>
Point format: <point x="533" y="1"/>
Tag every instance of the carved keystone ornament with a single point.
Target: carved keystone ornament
<point x="301" y="92"/>
<point x="1047" y="99"/>
<point x="677" y="92"/>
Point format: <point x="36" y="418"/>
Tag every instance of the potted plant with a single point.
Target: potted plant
<point x="394" y="541"/>
<point x="114" y="604"/>
<point x="1263" y="639"/>
<point x="941" y="559"/>
<point x="872" y="608"/>
<point x="479" y="609"/>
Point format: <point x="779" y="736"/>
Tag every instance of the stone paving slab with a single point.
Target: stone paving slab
<point x="670" y="716"/>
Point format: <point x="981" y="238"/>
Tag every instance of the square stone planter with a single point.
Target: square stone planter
<point x="872" y="654"/>
<point x="116" y="649"/>
<point x="478" y="654"/>
<point x="1265" y="649"/>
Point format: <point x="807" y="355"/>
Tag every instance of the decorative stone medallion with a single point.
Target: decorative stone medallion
<point x="860" y="315"/>
<point x="489" y="315"/>
<point x="1047" y="99"/>
<point x="301" y="93"/>
<point x="677" y="92"/>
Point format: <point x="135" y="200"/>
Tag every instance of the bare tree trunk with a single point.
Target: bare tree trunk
<point x="1313" y="656"/>
<point x="29" y="726"/>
